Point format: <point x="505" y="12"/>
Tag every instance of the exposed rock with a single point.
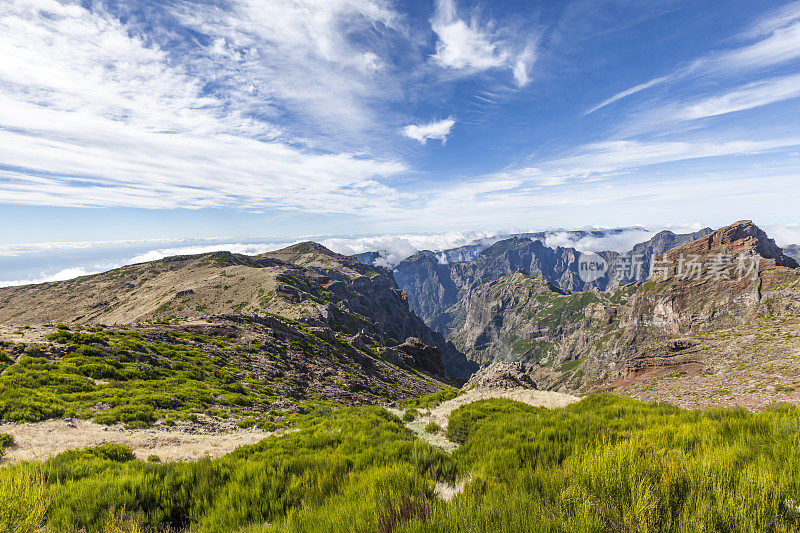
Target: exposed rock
<point x="585" y="341"/>
<point x="502" y="376"/>
<point x="414" y="353"/>
<point x="740" y="237"/>
<point x="434" y="284"/>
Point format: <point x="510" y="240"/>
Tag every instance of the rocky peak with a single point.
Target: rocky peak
<point x="740" y="237"/>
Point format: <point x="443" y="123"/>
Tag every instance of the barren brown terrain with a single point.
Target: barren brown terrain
<point x="39" y="441"/>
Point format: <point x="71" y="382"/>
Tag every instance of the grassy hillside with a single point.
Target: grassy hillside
<point x="249" y="370"/>
<point x="603" y="464"/>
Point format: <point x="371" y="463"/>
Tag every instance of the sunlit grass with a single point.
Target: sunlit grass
<point x="602" y="464"/>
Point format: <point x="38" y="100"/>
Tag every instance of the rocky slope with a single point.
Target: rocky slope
<point x="302" y="324"/>
<point x="304" y="282"/>
<point x="234" y="365"/>
<point x="593" y="340"/>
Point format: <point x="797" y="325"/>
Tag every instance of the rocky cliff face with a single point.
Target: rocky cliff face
<point x="434" y="284"/>
<point x="593" y="340"/>
<point x="635" y="265"/>
<point x="738" y="238"/>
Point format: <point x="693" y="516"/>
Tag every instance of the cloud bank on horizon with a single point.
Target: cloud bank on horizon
<point x="65" y="260"/>
<point x="284" y="110"/>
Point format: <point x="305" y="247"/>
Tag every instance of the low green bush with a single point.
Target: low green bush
<point x="340" y="463"/>
<point x="24" y="499"/>
<point x="433" y="427"/>
<point x="6" y="441"/>
<point x="602" y="464"/>
<point x="410" y="415"/>
<point x="429" y="401"/>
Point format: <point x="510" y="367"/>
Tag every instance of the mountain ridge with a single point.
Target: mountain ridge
<point x="635" y="335"/>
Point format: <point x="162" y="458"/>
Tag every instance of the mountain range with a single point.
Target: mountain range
<point x="434" y="282"/>
<point x="435" y="318"/>
<point x="711" y="330"/>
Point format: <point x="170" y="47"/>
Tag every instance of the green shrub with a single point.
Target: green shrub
<point x="247" y="423"/>
<point x="6" y="441"/>
<point x="410" y="415"/>
<point x="127" y="414"/>
<point x="110" y="451"/>
<point x="602" y="464"/>
<point x="464" y="420"/>
<point x="340" y="464"/>
<point x="433" y="427"/>
<point x="429" y="401"/>
<point x="23" y="500"/>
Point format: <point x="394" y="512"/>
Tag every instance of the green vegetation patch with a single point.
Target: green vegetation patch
<point x="603" y="464"/>
<point x="6" y="441"/>
<point x="429" y="401"/>
<point x="129" y="377"/>
<point x="347" y="466"/>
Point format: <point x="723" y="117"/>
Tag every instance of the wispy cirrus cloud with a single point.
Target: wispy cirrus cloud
<point x="469" y="46"/>
<point x="627" y="92"/>
<point x="325" y="62"/>
<point x="94" y="114"/>
<point x="772" y="41"/>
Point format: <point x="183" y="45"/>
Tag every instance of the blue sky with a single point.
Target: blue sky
<point x="128" y="120"/>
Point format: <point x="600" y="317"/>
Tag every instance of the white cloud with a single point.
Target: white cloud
<point x="616" y="155"/>
<point x="462" y="45"/>
<point x="608" y="159"/>
<point x="523" y="65"/>
<point x="471" y="47"/>
<point x="19" y="249"/>
<point x="61" y="275"/>
<point x="91" y="114"/>
<point x="303" y="56"/>
<point x="750" y="96"/>
<point x="626" y="93"/>
<point x="439" y="130"/>
<point x="781" y="44"/>
<point x="777" y="19"/>
<point x="784" y="234"/>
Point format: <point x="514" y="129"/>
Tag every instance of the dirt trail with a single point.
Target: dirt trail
<point x="41" y="440"/>
<point x="441" y="413"/>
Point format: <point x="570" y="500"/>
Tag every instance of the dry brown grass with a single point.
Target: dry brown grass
<point x="41" y="440"/>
